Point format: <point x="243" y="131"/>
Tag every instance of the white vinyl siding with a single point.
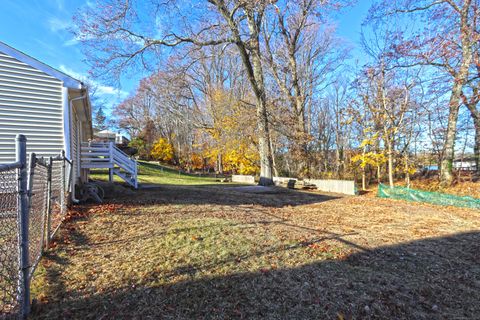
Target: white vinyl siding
<point x="31" y="104"/>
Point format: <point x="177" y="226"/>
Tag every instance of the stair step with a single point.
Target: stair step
<point x="126" y="176"/>
<point x="97" y="155"/>
<point x="98" y="165"/>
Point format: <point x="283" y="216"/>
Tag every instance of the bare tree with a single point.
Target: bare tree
<point x="116" y="43"/>
<point x="446" y="42"/>
<point x="301" y="53"/>
<point x="471" y="99"/>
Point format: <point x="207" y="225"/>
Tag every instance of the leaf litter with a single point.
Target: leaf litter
<point x="184" y="252"/>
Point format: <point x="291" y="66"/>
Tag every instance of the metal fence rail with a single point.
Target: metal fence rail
<point x="33" y="202"/>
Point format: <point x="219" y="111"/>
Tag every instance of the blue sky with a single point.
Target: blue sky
<point x="40" y="28"/>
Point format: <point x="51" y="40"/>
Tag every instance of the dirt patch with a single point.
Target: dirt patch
<point x="185" y="252"/>
<point x="259" y="190"/>
<point x="459" y="188"/>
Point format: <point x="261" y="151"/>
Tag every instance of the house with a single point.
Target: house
<point x="111" y="136"/>
<point x="465" y="163"/>
<point x="53" y="111"/>
<point x="49" y="107"/>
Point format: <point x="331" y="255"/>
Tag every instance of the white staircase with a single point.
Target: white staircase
<point x="107" y="155"/>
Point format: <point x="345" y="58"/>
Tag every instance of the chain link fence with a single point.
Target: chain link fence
<point x="9" y="251"/>
<point x="37" y="210"/>
<point x="33" y="203"/>
<point x="61" y="171"/>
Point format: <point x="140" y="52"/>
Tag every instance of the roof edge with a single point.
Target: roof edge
<point x="67" y="80"/>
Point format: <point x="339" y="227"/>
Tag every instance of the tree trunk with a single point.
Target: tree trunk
<point x="220" y="163"/>
<point x="287" y="165"/>
<point x="266" y="162"/>
<point x="446" y="172"/>
<point x="390" y="165"/>
<point x="407" y="171"/>
<point x="295" y="96"/>
<point x="252" y="61"/>
<point x="475" y="113"/>
<point x="337" y="162"/>
<point x="446" y="175"/>
<point x="274" y="163"/>
<point x="364" y="187"/>
<point x="476" y="147"/>
<point x="301" y="144"/>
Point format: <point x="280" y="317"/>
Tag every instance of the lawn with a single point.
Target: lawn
<point x="153" y="173"/>
<point x="209" y="252"/>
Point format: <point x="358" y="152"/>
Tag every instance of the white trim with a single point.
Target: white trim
<point x="66" y="79"/>
<point x="79" y="148"/>
<point x="66" y="124"/>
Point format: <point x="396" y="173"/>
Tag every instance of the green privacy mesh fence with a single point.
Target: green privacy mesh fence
<point x="428" y="197"/>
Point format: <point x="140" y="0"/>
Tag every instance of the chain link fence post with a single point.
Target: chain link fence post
<point x="48" y="218"/>
<point x="22" y="216"/>
<point x="63" y="199"/>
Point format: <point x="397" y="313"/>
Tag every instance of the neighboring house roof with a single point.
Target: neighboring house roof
<point x="466" y="159"/>
<point x="111" y="135"/>
<point x="68" y="81"/>
<point x="106" y="134"/>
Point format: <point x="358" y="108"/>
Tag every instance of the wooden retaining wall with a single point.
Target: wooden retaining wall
<point x="335" y="186"/>
<point x="243" y="178"/>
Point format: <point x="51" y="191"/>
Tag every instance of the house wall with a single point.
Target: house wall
<point x="464" y="165"/>
<point x="31" y="104"/>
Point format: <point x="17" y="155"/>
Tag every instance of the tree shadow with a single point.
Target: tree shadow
<point x="435" y="278"/>
<point x="275" y="197"/>
<point x="53" y="282"/>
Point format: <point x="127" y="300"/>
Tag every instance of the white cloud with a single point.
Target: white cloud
<point x="100" y="89"/>
<point x="71" y="73"/>
<point x="76" y="39"/>
<point x="56" y="24"/>
<point x="90" y="4"/>
<point x="60" y="5"/>
<point x="109" y="90"/>
<point x="71" y="42"/>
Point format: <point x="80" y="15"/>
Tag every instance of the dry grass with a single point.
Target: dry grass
<point x="152" y="172"/>
<point x="459" y="188"/>
<point x="187" y="252"/>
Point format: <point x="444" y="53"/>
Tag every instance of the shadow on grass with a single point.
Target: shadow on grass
<point x="274" y="197"/>
<point x="435" y="278"/>
<point x="50" y="269"/>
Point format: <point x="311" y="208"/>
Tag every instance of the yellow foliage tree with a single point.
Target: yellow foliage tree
<point x="368" y="158"/>
<point x="231" y="141"/>
<point x="163" y="150"/>
<point x="243" y="159"/>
